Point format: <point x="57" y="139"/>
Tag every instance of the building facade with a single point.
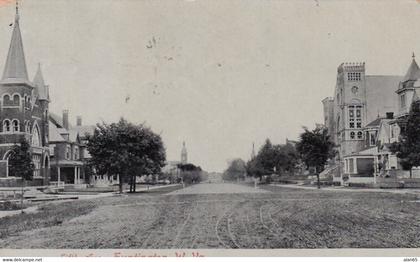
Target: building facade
<point x="24" y="111"/>
<point x="353" y="117"/>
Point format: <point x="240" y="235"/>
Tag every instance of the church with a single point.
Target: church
<point x="23" y="112"/>
<point x="363" y="119"/>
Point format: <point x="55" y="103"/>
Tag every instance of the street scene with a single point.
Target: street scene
<point x="223" y="215"/>
<point x="202" y="125"/>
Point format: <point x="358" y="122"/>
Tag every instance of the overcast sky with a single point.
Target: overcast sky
<point x="217" y="74"/>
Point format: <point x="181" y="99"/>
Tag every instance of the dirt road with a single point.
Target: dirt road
<point x="234" y="216"/>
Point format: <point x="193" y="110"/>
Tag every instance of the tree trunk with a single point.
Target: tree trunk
<point x="131" y="184"/>
<point x="411" y="172"/>
<point x="319" y="182"/>
<point x="121" y="184"/>
<point x="134" y="183"/>
<point x="21" y="197"/>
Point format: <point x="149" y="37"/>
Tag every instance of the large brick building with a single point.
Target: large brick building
<point x="23" y="111"/>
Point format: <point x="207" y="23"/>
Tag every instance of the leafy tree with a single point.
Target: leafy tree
<point x="273" y="159"/>
<point x="315" y="148"/>
<point x="236" y="170"/>
<point x="408" y="147"/>
<point x="126" y="149"/>
<point x="191" y="174"/>
<point x="20" y="161"/>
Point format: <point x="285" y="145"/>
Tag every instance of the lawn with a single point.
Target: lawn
<point x="276" y="218"/>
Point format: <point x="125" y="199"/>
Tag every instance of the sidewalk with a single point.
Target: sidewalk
<point x="347" y="189"/>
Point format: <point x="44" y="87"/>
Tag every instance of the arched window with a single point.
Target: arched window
<point x="15" y="125"/>
<point x="36" y="140"/>
<point x="16" y="99"/>
<point x="352" y="135"/>
<point x="359" y="135"/>
<point x="6" y="125"/>
<point x="6" y="100"/>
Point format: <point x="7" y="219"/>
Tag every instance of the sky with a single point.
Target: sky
<point x="217" y="74"/>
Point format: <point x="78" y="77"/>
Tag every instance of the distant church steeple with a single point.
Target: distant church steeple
<point x="184" y="154"/>
<point x="15" y="70"/>
<point x="253" y="151"/>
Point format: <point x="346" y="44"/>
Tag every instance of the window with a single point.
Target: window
<point x="36" y="140"/>
<point x="6" y="125"/>
<point x="7" y="101"/>
<point x="15" y="125"/>
<point x="359" y="123"/>
<point x="16" y="99"/>
<point x="76" y="153"/>
<point x="68" y="152"/>
<point x="351" y="165"/>
<point x="353" y="76"/>
<point x="402" y="100"/>
<point x="372" y="139"/>
<point x="359" y="135"/>
<point x="352" y="135"/>
<point x="351" y="113"/>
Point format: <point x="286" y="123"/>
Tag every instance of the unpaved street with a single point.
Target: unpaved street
<point x="212" y="215"/>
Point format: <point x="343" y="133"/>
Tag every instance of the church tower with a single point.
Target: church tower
<point x="184" y="154"/>
<point x="23" y="109"/>
<point x="350" y="107"/>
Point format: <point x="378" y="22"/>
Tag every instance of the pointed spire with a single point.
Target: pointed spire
<point x="40" y="88"/>
<point x="15" y="70"/>
<point x="253" y="151"/>
<point x="413" y="72"/>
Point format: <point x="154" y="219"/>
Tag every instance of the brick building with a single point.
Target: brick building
<point x="23" y="111"/>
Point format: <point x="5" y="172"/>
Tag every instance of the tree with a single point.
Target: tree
<point x="190" y="173"/>
<point x="408" y="147"/>
<point x="272" y="159"/>
<point x="236" y="170"/>
<point x="20" y="164"/>
<point x="315" y="148"/>
<point x="20" y="161"/>
<point x="127" y="150"/>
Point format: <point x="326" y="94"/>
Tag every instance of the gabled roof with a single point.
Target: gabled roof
<point x="15" y="70"/>
<point x="375" y="122"/>
<point x="54" y="133"/>
<point x="56" y="119"/>
<point x="41" y="89"/>
<point x="413" y="72"/>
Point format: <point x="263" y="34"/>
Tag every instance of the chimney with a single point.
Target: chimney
<point x="389" y="115"/>
<point x="66" y="119"/>
<point x="79" y="120"/>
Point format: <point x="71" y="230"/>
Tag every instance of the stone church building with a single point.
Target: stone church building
<point x="363" y="120"/>
<point x="23" y="111"/>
